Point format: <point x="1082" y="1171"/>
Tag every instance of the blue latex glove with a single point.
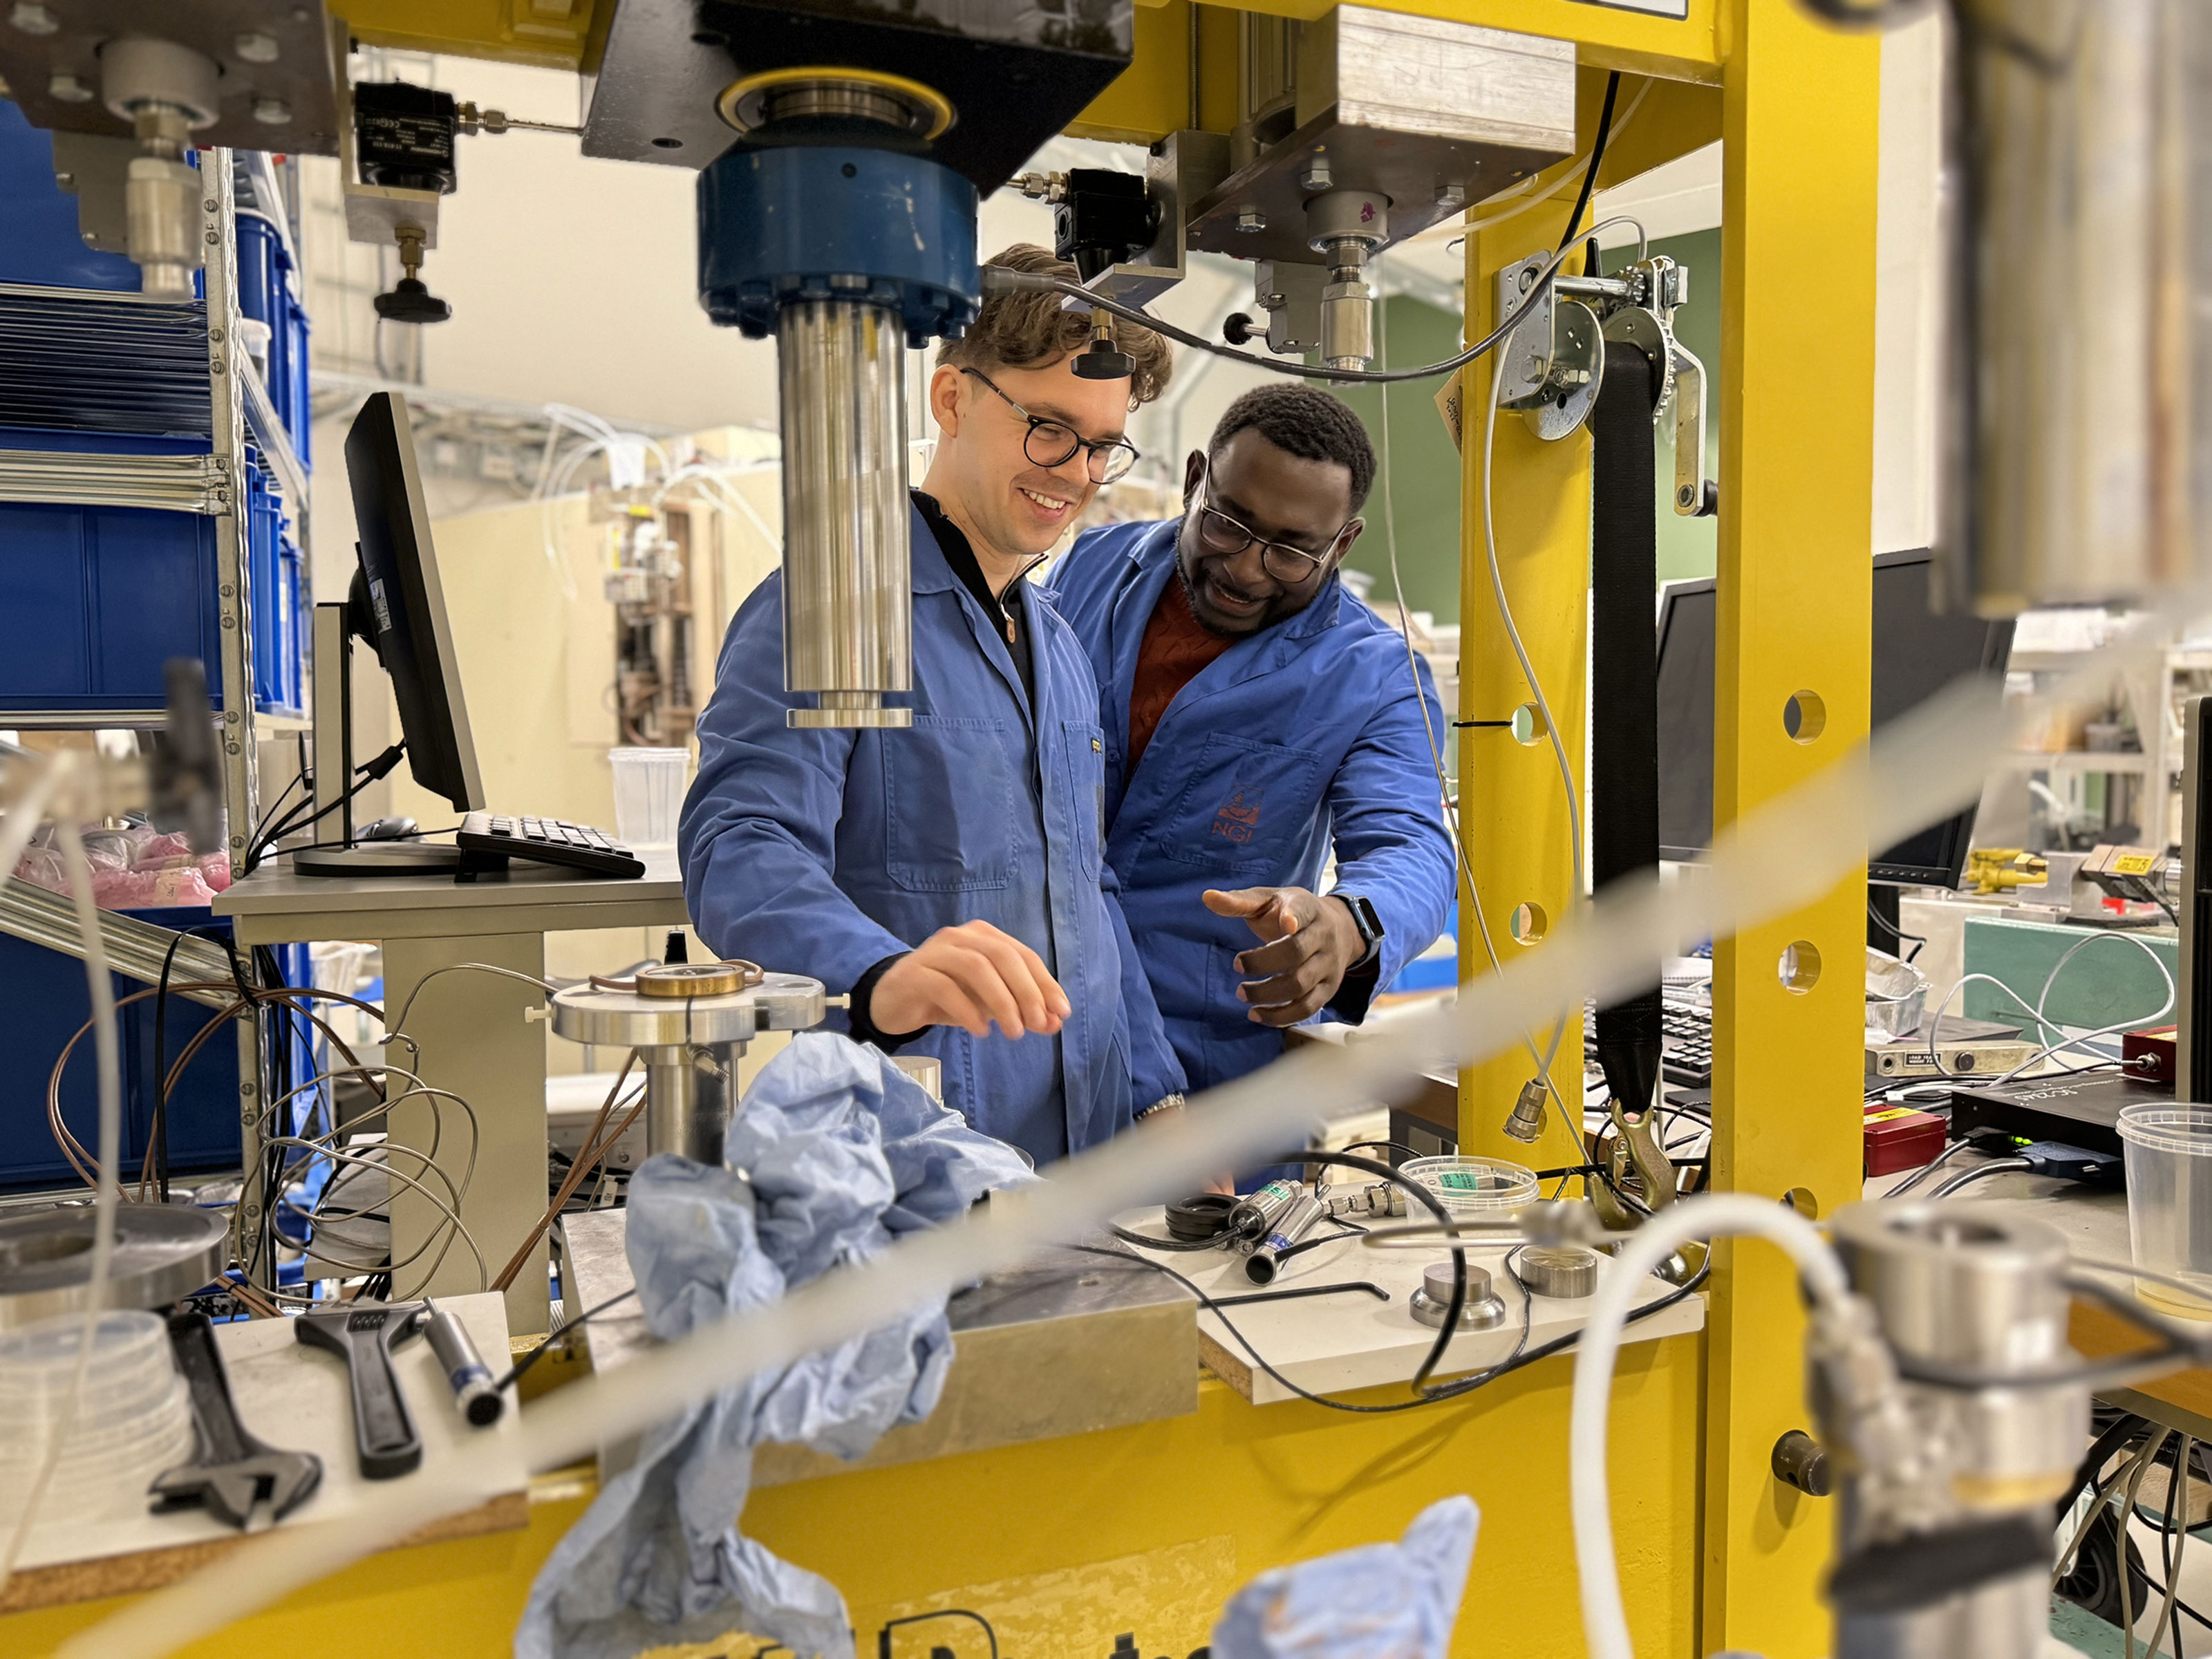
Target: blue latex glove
<point x="843" y="1152"/>
<point x="1377" y="1602"/>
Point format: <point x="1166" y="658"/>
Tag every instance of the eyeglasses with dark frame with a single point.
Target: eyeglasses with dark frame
<point x="1052" y="443"/>
<point x="1219" y="533"/>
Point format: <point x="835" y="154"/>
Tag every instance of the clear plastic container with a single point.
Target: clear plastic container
<point x="648" y="795"/>
<point x="1474" y="1186"/>
<point x="2169" y="1158"/>
<point x="130" y="1420"/>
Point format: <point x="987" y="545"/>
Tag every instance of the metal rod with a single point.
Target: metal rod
<point x="847" y="590"/>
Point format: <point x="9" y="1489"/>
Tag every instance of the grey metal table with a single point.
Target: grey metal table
<point x="475" y="1031"/>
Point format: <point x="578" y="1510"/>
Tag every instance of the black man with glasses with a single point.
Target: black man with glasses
<point x="1259" y="717"/>
<point x="949" y="875"/>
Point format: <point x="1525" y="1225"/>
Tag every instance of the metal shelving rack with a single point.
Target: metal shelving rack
<point x="213" y="484"/>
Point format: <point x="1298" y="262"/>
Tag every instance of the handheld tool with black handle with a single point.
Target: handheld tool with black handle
<point x="231" y="1472"/>
<point x="364" y="1337"/>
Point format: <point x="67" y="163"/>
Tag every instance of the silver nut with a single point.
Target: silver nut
<point x="33" y="19"/>
<point x="1316" y="175"/>
<point x="1451" y="196"/>
<point x="271" y="112"/>
<point x="69" y="89"/>
<point x="1251" y="219"/>
<point x="256" y="47"/>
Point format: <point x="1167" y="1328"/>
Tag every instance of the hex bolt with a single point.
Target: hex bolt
<point x="271" y="112"/>
<point x="69" y="89"/>
<point x="1251" y="219"/>
<point x="256" y="47"/>
<point x="34" y="19"/>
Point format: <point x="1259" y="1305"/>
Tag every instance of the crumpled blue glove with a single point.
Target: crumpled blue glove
<point x="1377" y="1602"/>
<point x="840" y="1152"/>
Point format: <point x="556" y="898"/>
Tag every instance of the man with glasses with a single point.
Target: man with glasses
<point x="1258" y="717"/>
<point x="949" y="875"/>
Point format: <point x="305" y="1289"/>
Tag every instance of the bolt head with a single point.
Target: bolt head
<point x="33" y="19"/>
<point x="69" y="89"/>
<point x="1686" y="495"/>
<point x="1451" y="196"/>
<point x="256" y="47"/>
<point x="1251" y="219"/>
<point x="272" y="111"/>
<point x="231" y="747"/>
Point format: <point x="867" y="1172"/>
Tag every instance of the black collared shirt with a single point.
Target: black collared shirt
<point x="953" y="541"/>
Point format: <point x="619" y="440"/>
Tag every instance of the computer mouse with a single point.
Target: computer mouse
<point x="387" y="829"/>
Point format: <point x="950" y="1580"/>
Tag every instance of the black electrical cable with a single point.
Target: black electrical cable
<point x="1916" y="940"/>
<point x="1442" y="1393"/>
<point x="1596" y="160"/>
<point x="567" y="1326"/>
<point x="2174" y="1487"/>
<point x="1981" y="1172"/>
<point x="1000" y="279"/>
<point x="374" y="772"/>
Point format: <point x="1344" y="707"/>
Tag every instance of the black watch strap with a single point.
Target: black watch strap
<point x="1369" y="924"/>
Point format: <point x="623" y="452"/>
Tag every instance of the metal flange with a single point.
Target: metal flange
<point x="628" y="1019"/>
<point x="162" y="1254"/>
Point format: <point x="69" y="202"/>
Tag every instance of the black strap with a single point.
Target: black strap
<point x="1927" y="1568"/>
<point x="1623" y="786"/>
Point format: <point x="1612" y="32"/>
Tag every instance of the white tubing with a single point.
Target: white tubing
<point x="1605" y="1618"/>
<point x="108" y="1191"/>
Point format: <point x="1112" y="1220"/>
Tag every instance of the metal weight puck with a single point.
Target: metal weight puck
<point x="697" y="979"/>
<point x="1479" y="1310"/>
<point x="1568" y="1273"/>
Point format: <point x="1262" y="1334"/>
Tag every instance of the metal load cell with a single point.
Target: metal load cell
<point x="690" y="1023"/>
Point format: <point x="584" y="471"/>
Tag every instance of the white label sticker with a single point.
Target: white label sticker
<point x="1675" y="9"/>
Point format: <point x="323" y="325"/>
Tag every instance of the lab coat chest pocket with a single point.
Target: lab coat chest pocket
<point x="1244" y="807"/>
<point x="1085" y="746"/>
<point x="949" y="805"/>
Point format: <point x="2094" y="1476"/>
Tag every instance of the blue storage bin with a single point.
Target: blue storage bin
<point x="302" y="417"/>
<point x="99" y="598"/>
<point x="260" y="245"/>
<point x="43" y="246"/>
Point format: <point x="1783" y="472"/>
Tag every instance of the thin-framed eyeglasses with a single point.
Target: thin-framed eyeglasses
<point x="1051" y="443"/>
<point x="1291" y="566"/>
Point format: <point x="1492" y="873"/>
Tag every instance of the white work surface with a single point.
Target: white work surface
<point x="291" y="1398"/>
<point x="477" y="1038"/>
<point x="1336" y="1343"/>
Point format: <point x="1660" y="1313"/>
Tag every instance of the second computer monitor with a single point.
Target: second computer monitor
<point x="1917" y="654"/>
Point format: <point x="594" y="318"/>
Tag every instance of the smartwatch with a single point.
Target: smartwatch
<point x="1369" y="924"/>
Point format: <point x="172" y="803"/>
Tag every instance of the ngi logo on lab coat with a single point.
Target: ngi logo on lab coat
<point x="1236" y="819"/>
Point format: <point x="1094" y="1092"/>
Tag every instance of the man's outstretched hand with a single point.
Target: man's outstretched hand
<point x="969" y="975"/>
<point x="1309" y="943"/>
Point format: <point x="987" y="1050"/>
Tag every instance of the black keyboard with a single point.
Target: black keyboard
<point x="548" y="841"/>
<point x="1687" y="1034"/>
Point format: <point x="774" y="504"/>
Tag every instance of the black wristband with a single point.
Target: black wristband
<point x="858" y="1010"/>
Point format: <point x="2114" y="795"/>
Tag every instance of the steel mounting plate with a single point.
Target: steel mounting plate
<point x="162" y="1253"/>
<point x="297" y="75"/>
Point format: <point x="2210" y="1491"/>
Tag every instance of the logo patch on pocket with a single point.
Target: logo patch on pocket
<point x="1096" y="747"/>
<point x="1236" y="819"/>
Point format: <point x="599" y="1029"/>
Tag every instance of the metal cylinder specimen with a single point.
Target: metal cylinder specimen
<point x="1956" y="1562"/>
<point x="688" y="1095"/>
<point x="848" y="599"/>
<point x="2081" y="463"/>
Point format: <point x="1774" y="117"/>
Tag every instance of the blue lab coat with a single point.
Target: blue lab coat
<point x="823" y="852"/>
<point x="1304" y="732"/>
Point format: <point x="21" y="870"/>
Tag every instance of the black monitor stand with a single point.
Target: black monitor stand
<point x="335" y="852"/>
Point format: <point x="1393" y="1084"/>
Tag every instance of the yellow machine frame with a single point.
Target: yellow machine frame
<point x="1716" y="1553"/>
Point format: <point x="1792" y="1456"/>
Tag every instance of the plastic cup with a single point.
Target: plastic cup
<point x="648" y="795"/>
<point x="2169" y="1160"/>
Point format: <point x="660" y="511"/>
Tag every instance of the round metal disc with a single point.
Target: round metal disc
<point x="162" y="1253"/>
<point x="697" y="979"/>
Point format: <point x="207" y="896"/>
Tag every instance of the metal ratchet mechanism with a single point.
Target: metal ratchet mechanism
<point x="1551" y="366"/>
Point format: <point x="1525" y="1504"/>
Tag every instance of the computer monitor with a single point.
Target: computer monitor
<point x="398" y="607"/>
<point x="1917" y="654"/>
<point x="412" y="637"/>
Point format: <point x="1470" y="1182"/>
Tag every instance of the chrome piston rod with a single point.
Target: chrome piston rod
<point x="848" y="596"/>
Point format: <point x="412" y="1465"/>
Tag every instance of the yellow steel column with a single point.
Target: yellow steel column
<point x="1513" y="809"/>
<point x="1797" y="412"/>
